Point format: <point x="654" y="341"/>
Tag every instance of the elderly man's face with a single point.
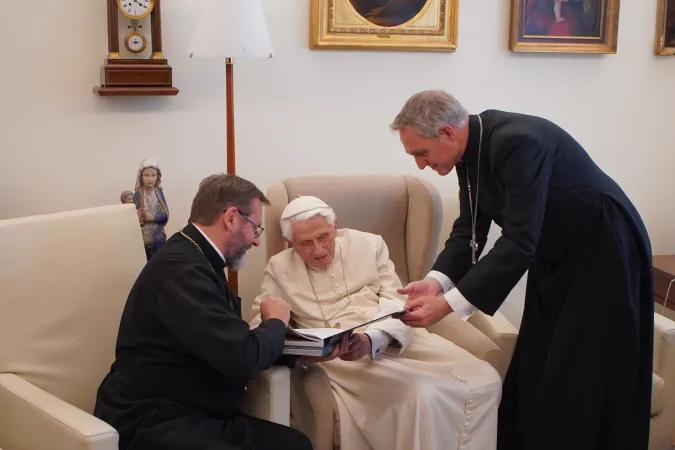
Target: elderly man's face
<point x="440" y="153"/>
<point x="314" y="240"/>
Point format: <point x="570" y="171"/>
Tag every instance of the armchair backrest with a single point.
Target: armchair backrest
<point x="64" y="280"/>
<point x="406" y="211"/>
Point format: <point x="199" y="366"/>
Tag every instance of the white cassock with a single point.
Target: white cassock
<point x="421" y="392"/>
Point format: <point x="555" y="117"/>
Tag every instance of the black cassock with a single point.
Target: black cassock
<point x="183" y="357"/>
<point x="581" y="374"/>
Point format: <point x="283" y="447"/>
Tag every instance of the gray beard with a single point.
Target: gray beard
<point x="234" y="255"/>
<point x="235" y="263"/>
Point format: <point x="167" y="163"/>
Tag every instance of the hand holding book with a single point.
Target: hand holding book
<point x="360" y="345"/>
<point x="321" y="342"/>
<point x="340" y="349"/>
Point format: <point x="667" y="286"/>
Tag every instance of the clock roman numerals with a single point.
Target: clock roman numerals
<point x="136" y="8"/>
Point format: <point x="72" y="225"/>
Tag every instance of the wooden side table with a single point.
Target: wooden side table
<point x="664" y="274"/>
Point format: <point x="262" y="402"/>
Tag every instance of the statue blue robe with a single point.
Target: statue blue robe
<point x="154" y="235"/>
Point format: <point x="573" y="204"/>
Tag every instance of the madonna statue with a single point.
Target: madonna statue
<point x="153" y="212"/>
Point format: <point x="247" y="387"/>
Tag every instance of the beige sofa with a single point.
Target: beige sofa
<point x="64" y="280"/>
<point x="407" y="212"/>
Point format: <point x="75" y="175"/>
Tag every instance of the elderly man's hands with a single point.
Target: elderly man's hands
<point x="360" y="345"/>
<point x="340" y="349"/>
<point x="350" y="348"/>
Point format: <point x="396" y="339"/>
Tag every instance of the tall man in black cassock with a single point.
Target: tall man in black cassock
<point x="183" y="352"/>
<point x="581" y="374"/>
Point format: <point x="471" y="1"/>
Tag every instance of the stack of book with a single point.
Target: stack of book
<point x="321" y="341"/>
<point x="312" y="341"/>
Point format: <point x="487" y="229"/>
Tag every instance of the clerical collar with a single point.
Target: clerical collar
<point x="206" y="246"/>
<point x="210" y="242"/>
<point x="471" y="153"/>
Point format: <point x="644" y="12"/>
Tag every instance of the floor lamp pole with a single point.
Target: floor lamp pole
<point x="232" y="279"/>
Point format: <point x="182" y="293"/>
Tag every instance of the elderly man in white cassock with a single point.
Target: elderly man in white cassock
<point x="397" y="388"/>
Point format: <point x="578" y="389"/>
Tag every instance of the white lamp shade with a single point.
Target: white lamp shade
<point x="230" y="29"/>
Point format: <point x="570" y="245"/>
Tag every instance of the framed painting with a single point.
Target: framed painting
<point x="564" y="26"/>
<point x="423" y="25"/>
<point x="665" y="28"/>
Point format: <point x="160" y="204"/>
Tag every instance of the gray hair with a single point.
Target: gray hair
<point x="427" y="111"/>
<point x="287" y="224"/>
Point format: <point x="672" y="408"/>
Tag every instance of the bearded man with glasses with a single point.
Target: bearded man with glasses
<point x="184" y="354"/>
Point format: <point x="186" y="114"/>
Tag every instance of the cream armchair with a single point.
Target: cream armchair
<point x="64" y="280"/>
<point x="407" y="213"/>
<point x="662" y="432"/>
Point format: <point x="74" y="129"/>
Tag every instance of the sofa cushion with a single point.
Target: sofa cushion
<point x="658" y="394"/>
<point x="64" y="280"/>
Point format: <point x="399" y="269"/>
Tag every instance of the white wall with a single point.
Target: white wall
<point x="309" y="112"/>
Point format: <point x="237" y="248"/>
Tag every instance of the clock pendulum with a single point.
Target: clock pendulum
<point x="135" y="41"/>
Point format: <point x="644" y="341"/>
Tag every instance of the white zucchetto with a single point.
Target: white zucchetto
<point x="302" y="204"/>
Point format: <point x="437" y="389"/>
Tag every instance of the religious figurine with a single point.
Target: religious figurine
<point x="153" y="213"/>
<point x="127" y="197"/>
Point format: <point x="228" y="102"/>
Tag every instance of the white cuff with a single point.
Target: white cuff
<point x="380" y="341"/>
<point x="443" y="279"/>
<point x="459" y="304"/>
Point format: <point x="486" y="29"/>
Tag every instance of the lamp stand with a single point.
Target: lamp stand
<point x="232" y="278"/>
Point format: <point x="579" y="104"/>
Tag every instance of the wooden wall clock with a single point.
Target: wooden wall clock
<point x="135" y="68"/>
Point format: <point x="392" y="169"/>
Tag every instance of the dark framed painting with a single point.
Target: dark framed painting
<point x="564" y="26"/>
<point x="665" y="28"/>
<point x="384" y="24"/>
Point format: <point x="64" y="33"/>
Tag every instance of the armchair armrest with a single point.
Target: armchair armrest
<point x="33" y="419"/>
<point x="664" y="347"/>
<point x="663" y="393"/>
<point x="465" y="335"/>
<point x="268" y="396"/>
<point x="501" y="332"/>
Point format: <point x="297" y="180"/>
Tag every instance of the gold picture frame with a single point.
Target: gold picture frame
<point x="564" y="26"/>
<point x="664" y="44"/>
<point x="415" y="25"/>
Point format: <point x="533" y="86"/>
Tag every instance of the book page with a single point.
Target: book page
<point x="317" y="334"/>
<point x="312" y="334"/>
<point x="322" y="333"/>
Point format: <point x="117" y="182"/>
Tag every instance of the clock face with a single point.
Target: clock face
<point x="135" y="42"/>
<point x="136" y="9"/>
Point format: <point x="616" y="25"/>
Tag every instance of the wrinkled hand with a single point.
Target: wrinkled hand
<point x="425" y="287"/>
<point x="425" y="311"/>
<point x="340" y="349"/>
<point x="360" y="345"/>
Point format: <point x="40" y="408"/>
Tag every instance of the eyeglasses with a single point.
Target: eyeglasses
<point x="259" y="230"/>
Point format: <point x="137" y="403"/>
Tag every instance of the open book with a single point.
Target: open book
<point x="322" y="341"/>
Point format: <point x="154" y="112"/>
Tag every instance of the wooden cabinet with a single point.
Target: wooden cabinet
<point x="664" y="274"/>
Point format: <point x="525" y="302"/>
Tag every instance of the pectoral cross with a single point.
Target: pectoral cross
<point x="474" y="248"/>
